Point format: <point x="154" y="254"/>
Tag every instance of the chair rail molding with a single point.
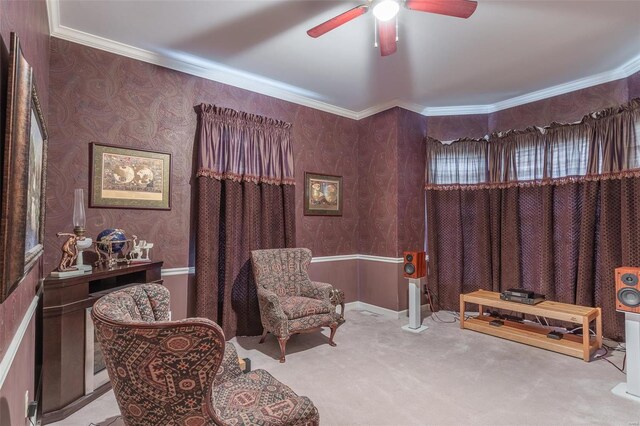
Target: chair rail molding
<point x="12" y="349"/>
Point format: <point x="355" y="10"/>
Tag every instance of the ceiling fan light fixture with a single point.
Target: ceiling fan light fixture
<point x="386" y="10"/>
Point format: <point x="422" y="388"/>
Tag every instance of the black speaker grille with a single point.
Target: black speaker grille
<point x="409" y="258"/>
<point x="409" y="269"/>
<point x="629" y="297"/>
<point x="630" y="279"/>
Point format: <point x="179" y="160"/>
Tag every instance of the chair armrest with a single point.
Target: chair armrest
<point x="317" y="290"/>
<point x="230" y="367"/>
<point x="273" y="317"/>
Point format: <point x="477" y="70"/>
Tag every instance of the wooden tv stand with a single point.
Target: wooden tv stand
<point x="534" y="334"/>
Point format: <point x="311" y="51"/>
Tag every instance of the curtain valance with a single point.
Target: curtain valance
<point x="603" y="145"/>
<point x="244" y="147"/>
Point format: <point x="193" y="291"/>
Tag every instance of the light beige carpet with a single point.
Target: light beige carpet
<point x="381" y="375"/>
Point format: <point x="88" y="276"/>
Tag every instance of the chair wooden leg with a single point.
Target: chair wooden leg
<point x="283" y="347"/>
<point x="264" y="336"/>
<point x="334" y="327"/>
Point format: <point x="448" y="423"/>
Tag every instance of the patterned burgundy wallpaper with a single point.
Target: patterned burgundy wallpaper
<point x="451" y="127"/>
<point x="378" y="184"/>
<point x="101" y="97"/>
<point x="563" y="108"/>
<point x="29" y="20"/>
<point x="634" y="85"/>
<point x="411" y="153"/>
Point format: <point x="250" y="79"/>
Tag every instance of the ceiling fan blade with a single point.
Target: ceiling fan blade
<point x="457" y="8"/>
<point x="387" y="37"/>
<point x="335" y="22"/>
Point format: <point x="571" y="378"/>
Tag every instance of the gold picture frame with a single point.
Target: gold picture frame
<point x="37" y="183"/>
<point x="128" y="178"/>
<point x="24" y="171"/>
<point x="323" y="195"/>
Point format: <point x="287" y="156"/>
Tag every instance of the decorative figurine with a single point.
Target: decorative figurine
<point x="69" y="252"/>
<point x="71" y="263"/>
<point x="136" y="254"/>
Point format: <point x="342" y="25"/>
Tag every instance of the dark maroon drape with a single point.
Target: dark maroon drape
<point x="245" y="202"/>
<point x="559" y="235"/>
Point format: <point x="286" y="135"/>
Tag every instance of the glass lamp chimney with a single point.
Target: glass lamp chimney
<point x="79" y="218"/>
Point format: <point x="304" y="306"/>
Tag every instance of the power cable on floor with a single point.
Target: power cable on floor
<point x="606" y="352"/>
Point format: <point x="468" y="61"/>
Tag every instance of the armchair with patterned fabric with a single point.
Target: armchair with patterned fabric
<point x="289" y="301"/>
<point x="183" y="372"/>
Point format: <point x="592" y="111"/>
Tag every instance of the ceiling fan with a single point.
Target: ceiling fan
<point x="384" y="12"/>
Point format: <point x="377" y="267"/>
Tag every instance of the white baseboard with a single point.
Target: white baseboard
<point x="12" y="349"/>
<point x="362" y="306"/>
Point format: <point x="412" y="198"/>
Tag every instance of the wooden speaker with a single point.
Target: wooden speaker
<point x="628" y="289"/>
<point x="415" y="264"/>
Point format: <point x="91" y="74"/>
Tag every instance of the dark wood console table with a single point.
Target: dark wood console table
<point x="65" y="308"/>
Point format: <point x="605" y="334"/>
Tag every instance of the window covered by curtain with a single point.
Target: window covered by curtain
<point x="554" y="210"/>
<point x="245" y="202"/>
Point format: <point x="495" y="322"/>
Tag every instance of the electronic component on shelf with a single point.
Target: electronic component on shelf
<point x="521" y="296"/>
<point x="555" y="335"/>
<point x="496" y="323"/>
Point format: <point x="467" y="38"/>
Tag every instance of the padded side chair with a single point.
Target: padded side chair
<point x="290" y="303"/>
<point x="181" y="373"/>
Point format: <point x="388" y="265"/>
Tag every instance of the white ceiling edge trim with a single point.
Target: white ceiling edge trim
<point x="627" y="69"/>
<point x="269" y="87"/>
<point x="253" y="83"/>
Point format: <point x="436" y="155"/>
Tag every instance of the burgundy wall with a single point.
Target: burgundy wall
<point x="565" y="108"/>
<point x="451" y="127"/>
<point x="633" y="82"/>
<point x="102" y="97"/>
<point x="29" y="21"/>
<point x="342" y="274"/>
<point x="412" y="128"/>
<point x="378" y="184"/>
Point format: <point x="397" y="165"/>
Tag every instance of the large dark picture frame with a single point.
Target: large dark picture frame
<point x="323" y="195"/>
<point x="23" y="175"/>
<point x="129" y="178"/>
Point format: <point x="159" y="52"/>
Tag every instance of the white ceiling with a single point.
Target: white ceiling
<point x="507" y="51"/>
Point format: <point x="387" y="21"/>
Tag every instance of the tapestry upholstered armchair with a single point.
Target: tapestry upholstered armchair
<point x="182" y="372"/>
<point x="289" y="301"/>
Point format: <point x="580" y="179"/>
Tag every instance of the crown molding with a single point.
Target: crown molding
<point x="255" y="83"/>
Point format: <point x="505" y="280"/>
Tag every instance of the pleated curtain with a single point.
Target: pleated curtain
<point x="553" y="209"/>
<point x="245" y="181"/>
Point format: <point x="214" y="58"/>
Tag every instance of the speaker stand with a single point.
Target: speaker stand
<point x="631" y="389"/>
<point x="415" y="314"/>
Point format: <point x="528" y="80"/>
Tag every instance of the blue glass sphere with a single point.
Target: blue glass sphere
<point x="113" y="235"/>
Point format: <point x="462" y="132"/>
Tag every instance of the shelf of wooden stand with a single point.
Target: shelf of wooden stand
<point x="533" y="334"/>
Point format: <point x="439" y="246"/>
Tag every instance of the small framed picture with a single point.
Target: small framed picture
<point x="129" y="178"/>
<point x="322" y="195"/>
